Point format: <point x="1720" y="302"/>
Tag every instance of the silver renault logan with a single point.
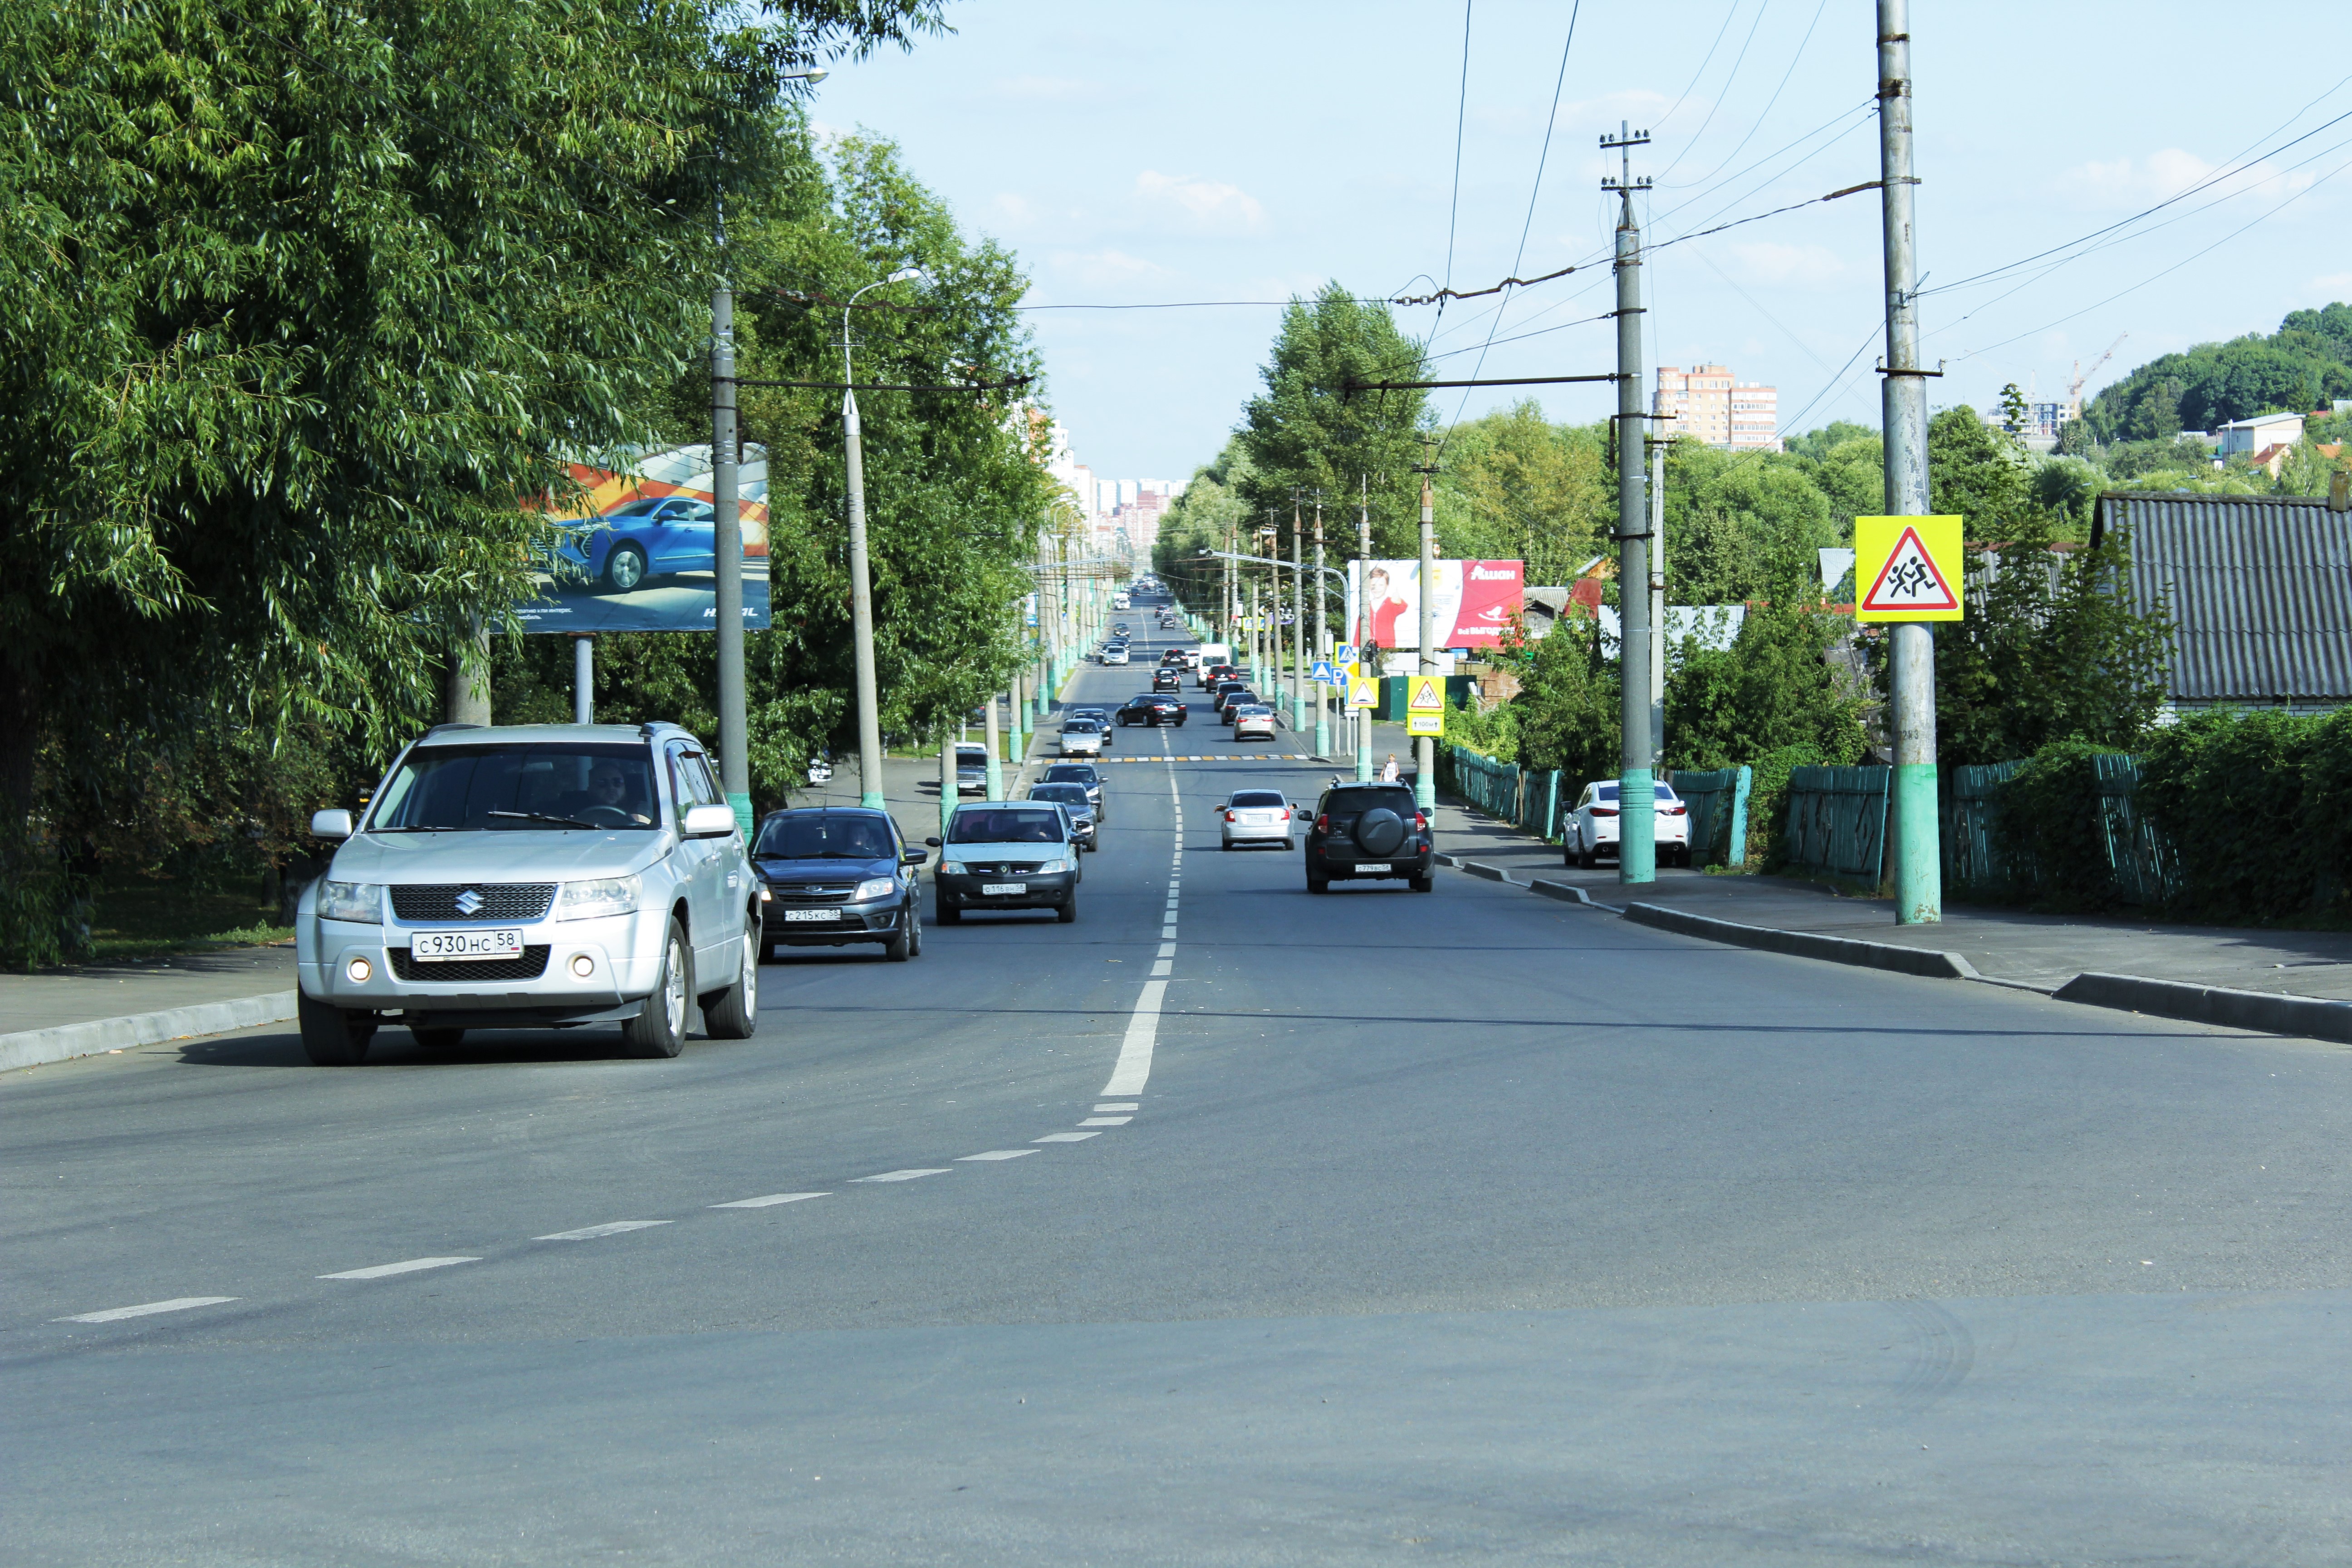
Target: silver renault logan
<point x="533" y="875"/>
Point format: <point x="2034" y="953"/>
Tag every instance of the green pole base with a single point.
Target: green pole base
<point x="1919" y="870"/>
<point x="872" y="800"/>
<point x="742" y="804"/>
<point x="1637" y="852"/>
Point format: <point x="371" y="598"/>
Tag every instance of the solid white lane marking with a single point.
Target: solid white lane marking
<point x="996" y="1155"/>
<point x="1124" y="1105"/>
<point x="1106" y="1122"/>
<point x="770" y="1200"/>
<point x="1166" y="950"/>
<point x="1134" y="1069"/>
<point x="591" y="1232"/>
<point x="144" y="1309"/>
<point x="1163" y="968"/>
<point x="906" y="1175"/>
<point x="1065" y="1137"/>
<point x="385" y="1270"/>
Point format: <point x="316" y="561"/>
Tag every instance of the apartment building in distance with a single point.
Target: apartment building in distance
<point x="1709" y="404"/>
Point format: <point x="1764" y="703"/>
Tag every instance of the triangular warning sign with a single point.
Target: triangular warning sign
<point x="1909" y="580"/>
<point x="1426" y="693"/>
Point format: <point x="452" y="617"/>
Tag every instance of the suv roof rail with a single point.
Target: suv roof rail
<point x="439" y="729"/>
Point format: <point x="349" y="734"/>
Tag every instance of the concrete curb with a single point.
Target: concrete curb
<point x="35" y="1046"/>
<point x="1569" y="893"/>
<point x="1918" y="961"/>
<point x="2312" y="1017"/>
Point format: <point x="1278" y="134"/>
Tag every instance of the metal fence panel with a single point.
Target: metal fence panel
<point x="1970" y="808"/>
<point x="2142" y="861"/>
<point x="1709" y="796"/>
<point x="1837" y="820"/>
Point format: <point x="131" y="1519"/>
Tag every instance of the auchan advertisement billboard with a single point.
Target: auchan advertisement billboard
<point x="1473" y="602"/>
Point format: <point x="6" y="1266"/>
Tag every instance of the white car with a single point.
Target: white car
<point x="1590" y="830"/>
<point x="1253" y="722"/>
<point x="1082" y="737"/>
<point x="1257" y="816"/>
<point x="1114" y="654"/>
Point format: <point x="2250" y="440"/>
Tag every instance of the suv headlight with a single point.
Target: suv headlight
<point x="360" y="902"/>
<point x="874" y="887"/>
<point x="1050" y="866"/>
<point x="606" y="895"/>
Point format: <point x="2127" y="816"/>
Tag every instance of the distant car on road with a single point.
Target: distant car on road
<point x="1364" y="830"/>
<point x="1167" y="680"/>
<point x="1008" y="855"/>
<point x="820" y="771"/>
<point x="971" y="768"/>
<point x="1114" y="654"/>
<point x="1101" y="716"/>
<point x="1592" y="828"/>
<point x="1081" y="738"/>
<point x="838" y="875"/>
<point x="1152" y="708"/>
<point x="1083" y="774"/>
<point x="1210" y="674"/>
<point x="1072" y="798"/>
<point x="1252" y="722"/>
<point x="1255" y="816"/>
<point x="1230" y="696"/>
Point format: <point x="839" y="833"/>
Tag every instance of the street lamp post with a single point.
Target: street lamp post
<point x="861" y="590"/>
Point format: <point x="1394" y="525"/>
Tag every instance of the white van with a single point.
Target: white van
<point x="1122" y="601"/>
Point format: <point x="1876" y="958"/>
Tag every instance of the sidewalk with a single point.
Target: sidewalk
<point x="97" y="1007"/>
<point x="2182" y="971"/>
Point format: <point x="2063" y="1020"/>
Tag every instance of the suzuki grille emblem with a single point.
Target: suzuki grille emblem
<point x="469" y="902"/>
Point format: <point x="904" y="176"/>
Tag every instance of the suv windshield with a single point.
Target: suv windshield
<point x="824" y="835"/>
<point x="449" y="788"/>
<point x="1005" y="825"/>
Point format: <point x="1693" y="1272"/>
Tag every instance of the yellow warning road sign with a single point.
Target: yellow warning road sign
<point x="1425" y="693"/>
<point x="1906" y="568"/>
<point x="1363" y="691"/>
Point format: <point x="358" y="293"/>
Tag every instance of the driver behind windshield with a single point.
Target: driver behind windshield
<point x="608" y="787"/>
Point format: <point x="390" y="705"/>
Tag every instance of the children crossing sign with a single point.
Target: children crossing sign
<point x="1424" y="707"/>
<point x="1907" y="568"/>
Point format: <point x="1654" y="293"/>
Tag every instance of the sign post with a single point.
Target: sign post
<point x="1907" y="572"/>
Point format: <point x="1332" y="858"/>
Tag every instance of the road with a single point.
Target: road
<point x="1465" y="1227"/>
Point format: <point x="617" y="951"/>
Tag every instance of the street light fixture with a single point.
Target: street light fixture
<point x="861" y="590"/>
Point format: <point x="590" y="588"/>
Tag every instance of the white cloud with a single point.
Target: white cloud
<point x="2160" y="176"/>
<point x="1209" y="205"/>
<point x="1803" y="266"/>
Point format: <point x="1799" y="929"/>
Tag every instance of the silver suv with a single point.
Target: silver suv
<point x="533" y="875"/>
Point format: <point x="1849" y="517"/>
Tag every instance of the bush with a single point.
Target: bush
<point x="2254" y="804"/>
<point x="1768" y="799"/>
<point x="2049" y="820"/>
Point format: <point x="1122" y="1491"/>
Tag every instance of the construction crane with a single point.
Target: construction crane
<point x="2074" y="387"/>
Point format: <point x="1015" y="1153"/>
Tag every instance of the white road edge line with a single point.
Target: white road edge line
<point x="1106" y="1122"/>
<point x="908" y="1175"/>
<point x="591" y="1232"/>
<point x="144" y="1309"/>
<point x="411" y="1266"/>
<point x="770" y="1201"/>
<point x="1065" y="1137"/>
<point x="995" y="1154"/>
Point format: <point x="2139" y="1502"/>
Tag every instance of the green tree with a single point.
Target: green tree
<point x="1742" y="527"/>
<point x="1567" y="709"/>
<point x="1307" y="431"/>
<point x="1772" y="687"/>
<point x="1976" y="472"/>
<point x="1517" y="487"/>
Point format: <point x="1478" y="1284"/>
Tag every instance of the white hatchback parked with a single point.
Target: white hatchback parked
<point x="1590" y="830"/>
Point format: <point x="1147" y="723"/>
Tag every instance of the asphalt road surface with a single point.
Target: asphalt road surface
<point x="1463" y="1227"/>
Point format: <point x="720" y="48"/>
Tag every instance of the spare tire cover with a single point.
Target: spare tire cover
<point x="1379" y="831"/>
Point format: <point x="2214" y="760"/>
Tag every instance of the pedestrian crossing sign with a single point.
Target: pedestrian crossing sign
<point x="1323" y="674"/>
<point x="1911" y="566"/>
<point x="1427" y="695"/>
<point x="1344" y="654"/>
<point x="1363" y="691"/>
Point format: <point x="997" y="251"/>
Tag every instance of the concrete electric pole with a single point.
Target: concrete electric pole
<point x="1362" y="629"/>
<point x="1637" y="819"/>
<point x="1322" y="644"/>
<point x="1424" y="747"/>
<point x="727" y="549"/>
<point x="1918" y="875"/>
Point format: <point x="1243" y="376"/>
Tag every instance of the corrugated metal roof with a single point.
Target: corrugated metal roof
<point x="2259" y="587"/>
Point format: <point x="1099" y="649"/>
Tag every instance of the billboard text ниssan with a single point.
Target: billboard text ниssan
<point x="1473" y="606"/>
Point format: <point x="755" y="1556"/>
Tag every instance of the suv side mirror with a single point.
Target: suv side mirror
<point x="933" y="841"/>
<point x="914" y="856"/>
<point x="335" y="824"/>
<point x="708" y="821"/>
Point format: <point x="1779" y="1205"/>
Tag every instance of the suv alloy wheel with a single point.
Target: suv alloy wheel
<point x="660" y="1029"/>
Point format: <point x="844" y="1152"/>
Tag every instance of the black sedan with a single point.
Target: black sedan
<point x="1170" y="679"/>
<point x="1153" y="707"/>
<point x="837" y="875"/>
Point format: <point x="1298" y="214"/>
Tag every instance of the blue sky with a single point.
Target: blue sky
<point x="1136" y="152"/>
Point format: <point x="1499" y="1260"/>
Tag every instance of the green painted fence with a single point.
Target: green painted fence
<point x="1718" y="799"/>
<point x="1837" y="821"/>
<point x="1974" y="863"/>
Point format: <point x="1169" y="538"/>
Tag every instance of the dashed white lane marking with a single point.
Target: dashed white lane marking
<point x="1167" y="931"/>
<point x="905" y="1175"/>
<point x="385" y="1270"/>
<point x="1164" y="967"/>
<point x="1166" y="950"/>
<point x="1065" y="1137"/>
<point x="591" y="1232"/>
<point x="770" y="1201"/>
<point x="1127" y="1105"/>
<point x="1134" y="1069"/>
<point x="1106" y="1122"/>
<point x="996" y="1155"/>
<point x="144" y="1309"/>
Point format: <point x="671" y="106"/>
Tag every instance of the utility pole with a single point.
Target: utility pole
<point x="1363" y="626"/>
<point x="946" y="776"/>
<point x="1322" y="644"/>
<point x="583" y="678"/>
<point x="727" y="547"/>
<point x="861" y="613"/>
<point x="1298" y="617"/>
<point x="1657" y="603"/>
<point x="996" y="745"/>
<point x="1424" y="747"/>
<point x="1918" y="875"/>
<point x="1637" y="791"/>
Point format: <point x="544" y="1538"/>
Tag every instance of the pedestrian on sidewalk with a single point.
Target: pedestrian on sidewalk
<point x="1388" y="770"/>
